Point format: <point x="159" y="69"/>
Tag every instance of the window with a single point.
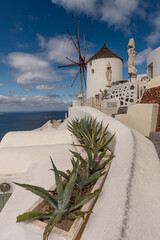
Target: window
<point x="92" y="70"/>
<point x="90" y="63"/>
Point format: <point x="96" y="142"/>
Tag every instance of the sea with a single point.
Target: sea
<point x="25" y="121"/>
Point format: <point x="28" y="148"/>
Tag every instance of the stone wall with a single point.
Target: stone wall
<point x="124" y="92"/>
<point x="152" y="95"/>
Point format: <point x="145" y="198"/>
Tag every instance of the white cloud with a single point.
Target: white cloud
<point x="154" y="36"/>
<point x="58" y="48"/>
<point x="41" y="40"/>
<point x="29" y="103"/>
<point x="46" y="87"/>
<point x="119" y="12"/>
<point x="26" y="62"/>
<point x="114" y="12"/>
<point x="36" y="71"/>
<point x="83" y="6"/>
<point x="30" y="69"/>
<point x="142" y="56"/>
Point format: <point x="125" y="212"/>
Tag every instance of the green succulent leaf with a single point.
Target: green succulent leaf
<point x="84" y="200"/>
<point x="69" y="187"/>
<point x="41" y="192"/>
<point x="63" y="174"/>
<point x="106" y="143"/>
<point x="90" y="160"/>
<point x="78" y="156"/>
<point x="100" y="128"/>
<point x="78" y="194"/>
<point x="51" y="223"/>
<point x="102" y="135"/>
<point x="75" y="214"/>
<point x="101" y="155"/>
<point x="92" y="179"/>
<point x="96" y="150"/>
<point x="102" y="166"/>
<point x="28" y="216"/>
<point x="59" y="186"/>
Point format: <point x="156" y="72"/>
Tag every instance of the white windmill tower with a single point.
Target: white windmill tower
<point x="97" y="70"/>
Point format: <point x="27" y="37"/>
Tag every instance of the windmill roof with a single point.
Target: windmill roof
<point x="104" y="52"/>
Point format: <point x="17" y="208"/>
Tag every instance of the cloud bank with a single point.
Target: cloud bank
<point x="154" y="21"/>
<point x="142" y="56"/>
<point x="31" y="69"/>
<point x="113" y="12"/>
<point x="29" y="103"/>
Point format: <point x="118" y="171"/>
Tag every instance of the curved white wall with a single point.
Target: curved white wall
<point x="98" y="79"/>
<point x="35" y="137"/>
<point x="129" y="204"/>
<point x="153" y="58"/>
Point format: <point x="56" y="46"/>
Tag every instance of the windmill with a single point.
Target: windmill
<point x="81" y="62"/>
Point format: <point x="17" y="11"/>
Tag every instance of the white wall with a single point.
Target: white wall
<point x="129" y="205"/>
<point x="36" y="137"/>
<point x="155" y="82"/>
<point x="98" y="79"/>
<point x="154" y="57"/>
<point x="141" y="117"/>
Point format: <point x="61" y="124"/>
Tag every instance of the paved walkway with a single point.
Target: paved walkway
<point x="155" y="138"/>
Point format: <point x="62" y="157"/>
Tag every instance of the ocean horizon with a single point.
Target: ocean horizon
<point x="25" y="121"/>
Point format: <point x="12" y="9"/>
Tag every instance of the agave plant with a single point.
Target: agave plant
<point x="93" y="163"/>
<point x="61" y="207"/>
<point x="84" y="124"/>
<point x="90" y="134"/>
<point x="85" y="181"/>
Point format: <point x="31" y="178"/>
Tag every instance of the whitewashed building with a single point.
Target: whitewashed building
<point x="153" y="60"/>
<point x="97" y="67"/>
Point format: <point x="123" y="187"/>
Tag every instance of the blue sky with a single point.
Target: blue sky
<point x="34" y="42"/>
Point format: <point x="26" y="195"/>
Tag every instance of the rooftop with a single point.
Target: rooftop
<point x="104" y="52"/>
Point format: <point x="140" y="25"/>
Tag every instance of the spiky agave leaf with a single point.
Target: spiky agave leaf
<point x="84" y="200"/>
<point x="75" y="214"/>
<point x="78" y="156"/>
<point x="41" y="192"/>
<point x="28" y="216"/>
<point x="90" y="158"/>
<point x="95" y="152"/>
<point x="107" y="142"/>
<point x="78" y="193"/>
<point x="102" y="135"/>
<point x="102" y="154"/>
<point x="102" y="166"/>
<point x="51" y="223"/>
<point x="59" y="185"/>
<point x="92" y="179"/>
<point x="64" y="175"/>
<point x="69" y="187"/>
<point x="86" y="139"/>
<point x="100" y="128"/>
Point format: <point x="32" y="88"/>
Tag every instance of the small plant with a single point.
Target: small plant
<point x="93" y="162"/>
<point x="82" y="182"/>
<point x="69" y="200"/>
<point x="90" y="134"/>
<point x="61" y="207"/>
<point x="93" y="140"/>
